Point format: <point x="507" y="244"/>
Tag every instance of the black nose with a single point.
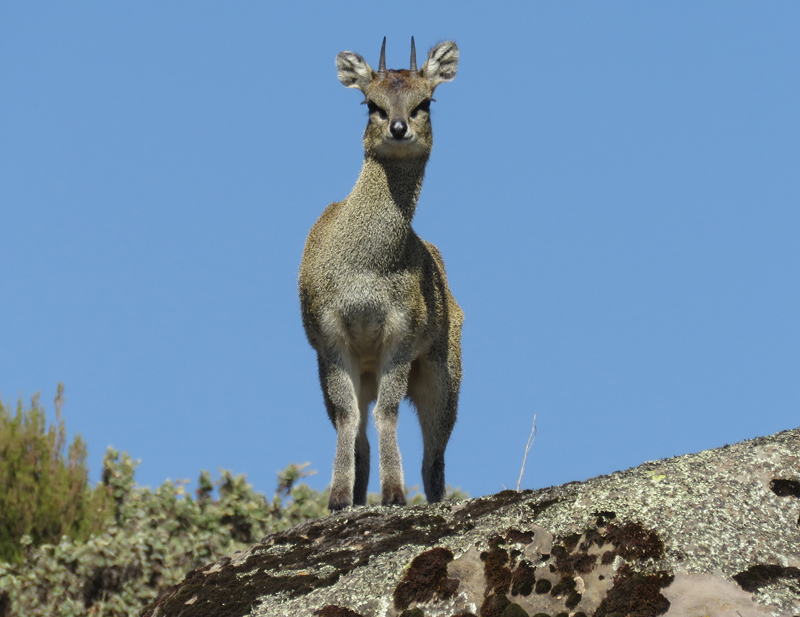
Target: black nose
<point x="398" y="129"/>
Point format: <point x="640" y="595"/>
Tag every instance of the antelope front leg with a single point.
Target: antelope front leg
<point x="391" y="390"/>
<point x="342" y="403"/>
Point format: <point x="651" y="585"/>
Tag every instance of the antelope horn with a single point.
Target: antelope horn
<point x="382" y="63"/>
<point x="413" y="56"/>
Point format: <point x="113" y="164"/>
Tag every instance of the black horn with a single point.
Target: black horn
<point x="413" y="56"/>
<point x="382" y="62"/>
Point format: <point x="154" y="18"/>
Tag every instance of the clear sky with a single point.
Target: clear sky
<point x="615" y="188"/>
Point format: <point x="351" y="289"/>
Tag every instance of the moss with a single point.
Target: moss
<point x="592" y="537"/>
<point x="209" y="593"/>
<point x="603" y="516"/>
<point x="761" y="575"/>
<point x="336" y="611"/>
<point x="421" y="528"/>
<point x="515" y="536"/>
<point x="495" y="566"/>
<point x="514" y="610"/>
<point x="558" y="551"/>
<point x="573" y="599"/>
<point x="541" y="506"/>
<point x="319" y="542"/>
<point x="635" y="594"/>
<point x="563" y="587"/>
<point x="580" y="562"/>
<point x="494" y="605"/>
<point x="413" y="612"/>
<point x="426" y="579"/>
<point x="523" y="579"/>
<point x="785" y="488"/>
<point x="485" y="505"/>
<point x="212" y="590"/>
<point x="543" y="586"/>
<point x="634" y="542"/>
<point x="571" y="556"/>
<point x="571" y="541"/>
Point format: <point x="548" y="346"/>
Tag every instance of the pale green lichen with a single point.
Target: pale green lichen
<point x="714" y="512"/>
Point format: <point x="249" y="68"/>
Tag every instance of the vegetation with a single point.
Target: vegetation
<point x="44" y="492"/>
<point x="70" y="549"/>
<point x="150" y="541"/>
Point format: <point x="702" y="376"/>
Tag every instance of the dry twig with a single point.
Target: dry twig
<point x="528" y="446"/>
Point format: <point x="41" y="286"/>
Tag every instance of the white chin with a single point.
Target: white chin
<point x="401" y="148"/>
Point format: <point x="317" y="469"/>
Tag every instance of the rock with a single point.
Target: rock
<point x="714" y="534"/>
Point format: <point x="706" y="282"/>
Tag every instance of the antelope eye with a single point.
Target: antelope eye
<point x="423" y="106"/>
<point x="373" y="108"/>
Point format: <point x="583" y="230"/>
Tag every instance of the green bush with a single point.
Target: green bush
<point x="150" y="542"/>
<point x="44" y="491"/>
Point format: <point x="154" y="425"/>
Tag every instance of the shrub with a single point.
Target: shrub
<point x="151" y="540"/>
<point x="44" y="491"/>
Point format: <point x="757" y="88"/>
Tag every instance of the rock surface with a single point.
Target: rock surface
<point x="711" y="534"/>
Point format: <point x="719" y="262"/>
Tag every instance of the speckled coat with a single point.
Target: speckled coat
<point x="375" y="301"/>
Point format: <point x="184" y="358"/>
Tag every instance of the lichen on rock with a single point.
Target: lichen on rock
<point x="714" y="533"/>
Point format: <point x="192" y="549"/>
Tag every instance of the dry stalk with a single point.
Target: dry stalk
<point x="528" y="446"/>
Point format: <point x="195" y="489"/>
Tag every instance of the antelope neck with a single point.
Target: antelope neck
<point x="389" y="185"/>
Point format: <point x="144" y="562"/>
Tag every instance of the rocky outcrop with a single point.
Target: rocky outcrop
<point x="711" y="534"/>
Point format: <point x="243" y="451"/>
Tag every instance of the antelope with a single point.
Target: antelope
<point x="375" y="302"/>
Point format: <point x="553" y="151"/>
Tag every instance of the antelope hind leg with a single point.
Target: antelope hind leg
<point x="366" y="395"/>
<point x="433" y="390"/>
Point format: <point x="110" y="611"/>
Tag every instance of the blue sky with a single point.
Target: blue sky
<point x="614" y="187"/>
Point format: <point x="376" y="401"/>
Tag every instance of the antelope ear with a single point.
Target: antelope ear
<point x="354" y="72"/>
<point x="442" y="63"/>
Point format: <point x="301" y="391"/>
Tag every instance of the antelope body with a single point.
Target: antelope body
<point x="375" y="301"/>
